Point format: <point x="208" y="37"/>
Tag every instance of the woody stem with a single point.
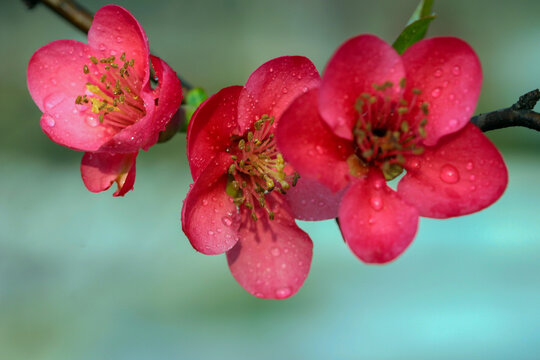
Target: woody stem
<point x="519" y="114"/>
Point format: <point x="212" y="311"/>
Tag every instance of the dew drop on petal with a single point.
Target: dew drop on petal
<point x="275" y="251"/>
<point x="53" y="100"/>
<point x="49" y="120"/>
<point x="205" y="202"/>
<point x="210" y="232"/>
<point x="436" y="92"/>
<point x="456" y="70"/>
<point x="227" y="221"/>
<point x="92" y="121"/>
<point x="283" y="292"/>
<point x="284" y="90"/>
<point x="449" y="174"/>
<point x="378" y="184"/>
<point x="438" y="73"/>
<point x="453" y="123"/>
<point x="469" y="165"/>
<point x="376" y="203"/>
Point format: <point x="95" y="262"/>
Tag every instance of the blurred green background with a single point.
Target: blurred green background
<point x="86" y="276"/>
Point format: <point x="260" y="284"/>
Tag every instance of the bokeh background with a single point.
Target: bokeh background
<point x="86" y="276"/>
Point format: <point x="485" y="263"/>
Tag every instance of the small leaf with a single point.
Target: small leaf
<point x="194" y="98"/>
<point x="417" y="26"/>
<point x="422" y="10"/>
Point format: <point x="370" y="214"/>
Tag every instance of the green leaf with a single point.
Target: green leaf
<point x="417" y="26"/>
<point x="422" y="10"/>
<point x="194" y="98"/>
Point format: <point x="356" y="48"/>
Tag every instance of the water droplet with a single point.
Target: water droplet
<point x="472" y="188"/>
<point x="205" y="202"/>
<point x="452" y="97"/>
<point x="283" y="292"/>
<point x="53" y="100"/>
<point x="456" y="70"/>
<point x="271" y="70"/>
<point x="210" y="232"/>
<point x="371" y="221"/>
<point x="319" y="149"/>
<point x="472" y="177"/>
<point x="275" y="251"/>
<point x="449" y="174"/>
<point x="452" y="123"/>
<point x="92" y="121"/>
<point x="49" y="120"/>
<point x="469" y="165"/>
<point x="376" y="203"/>
<point x="438" y="73"/>
<point x="445" y="84"/>
<point x="436" y="92"/>
<point x="119" y="39"/>
<point x="305" y="90"/>
<point x="284" y="90"/>
<point x="227" y="221"/>
<point x="378" y="184"/>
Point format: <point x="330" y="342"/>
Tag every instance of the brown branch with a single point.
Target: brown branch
<point x="81" y="19"/>
<point x="519" y="114"/>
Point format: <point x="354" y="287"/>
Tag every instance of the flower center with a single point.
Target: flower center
<point x="112" y="93"/>
<point x="387" y="131"/>
<point x="257" y="168"/>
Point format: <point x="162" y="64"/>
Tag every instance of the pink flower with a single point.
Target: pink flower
<point x="97" y="98"/>
<point x="236" y="204"/>
<point x="377" y="114"/>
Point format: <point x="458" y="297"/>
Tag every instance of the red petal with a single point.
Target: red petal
<point x="353" y="69"/>
<point x="448" y="73"/>
<point x="100" y="170"/>
<point x="169" y="95"/>
<point x="209" y="217"/>
<point x="310" y="146"/>
<point x="272" y="258"/>
<point x="55" y="79"/>
<point x="273" y="86"/>
<point x="115" y="31"/>
<point x="463" y="174"/>
<point x="375" y="222"/>
<point x="312" y="201"/>
<point x="210" y="129"/>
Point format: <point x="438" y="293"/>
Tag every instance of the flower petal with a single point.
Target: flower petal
<point x="375" y="222"/>
<point x="100" y="170"/>
<point x="273" y="86"/>
<point x="312" y="201"/>
<point x="353" y="69"/>
<point x="310" y="146"/>
<point x="449" y="74"/>
<point x="463" y="174"/>
<point x="272" y="258"/>
<point x="211" y="127"/>
<point x="168" y="94"/>
<point x="115" y="31"/>
<point x="209" y="216"/>
<point x="55" y="79"/>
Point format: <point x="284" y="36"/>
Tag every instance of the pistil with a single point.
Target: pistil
<point x="112" y="92"/>
<point x="257" y="168"/>
<point x="383" y="132"/>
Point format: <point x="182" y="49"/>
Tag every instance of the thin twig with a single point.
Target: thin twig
<point x="81" y="19"/>
<point x="519" y="114"/>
